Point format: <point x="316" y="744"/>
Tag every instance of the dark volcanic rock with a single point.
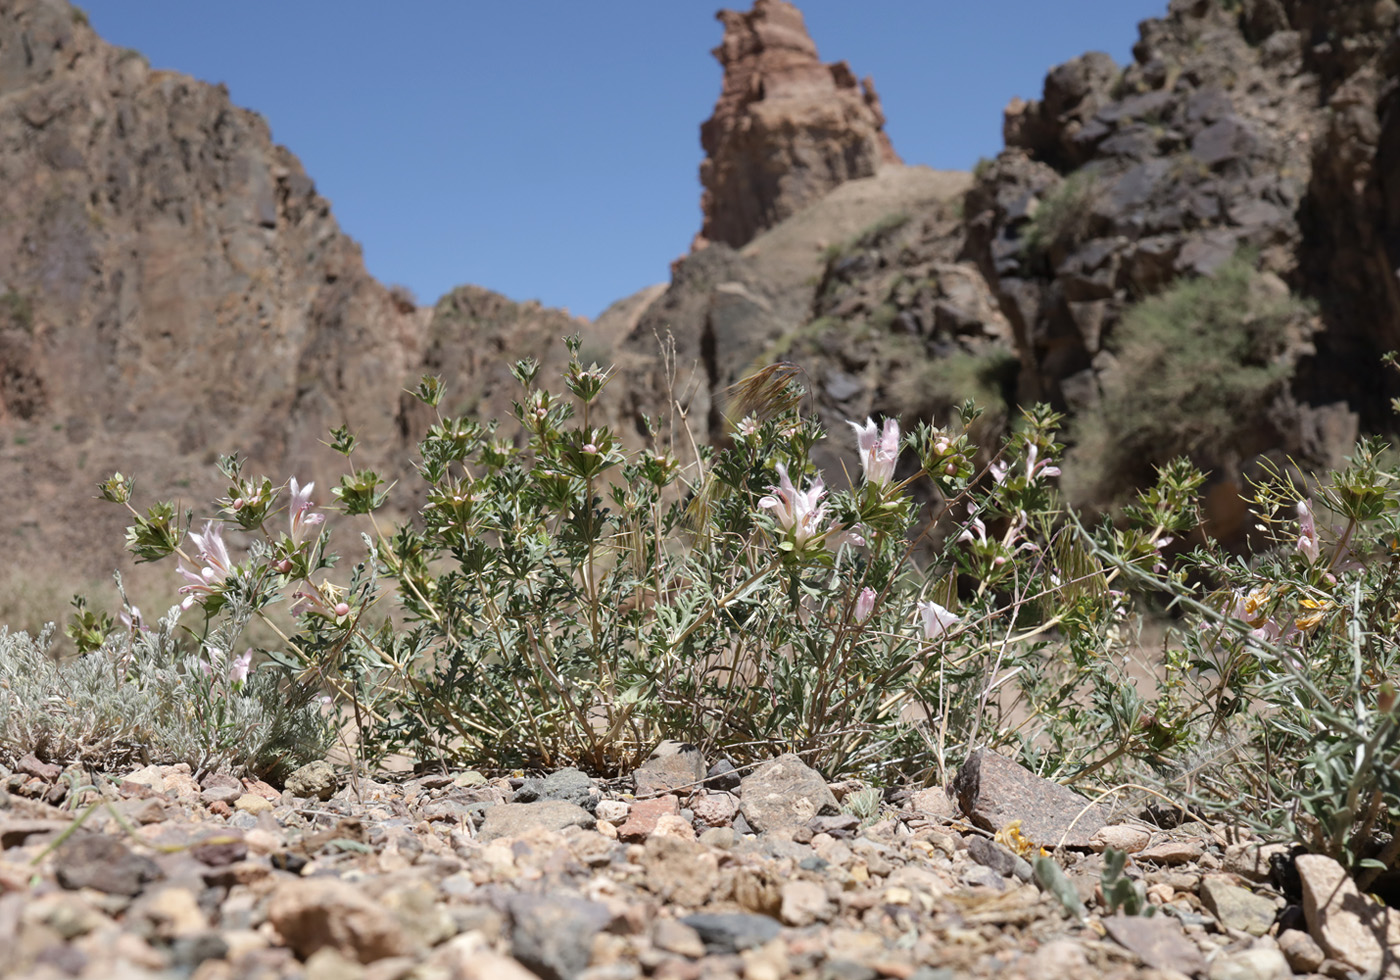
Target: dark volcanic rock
<point x="93" y="861"/>
<point x="994" y="791"/>
<point x="553" y="935"/>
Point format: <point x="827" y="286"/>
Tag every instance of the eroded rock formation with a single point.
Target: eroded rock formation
<point x="172" y="287"/>
<point x="786" y="128"/>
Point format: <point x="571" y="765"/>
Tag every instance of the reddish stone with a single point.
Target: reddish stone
<point x="641" y="821"/>
<point x="786" y="128"/>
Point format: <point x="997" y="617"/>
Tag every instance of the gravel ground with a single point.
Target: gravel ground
<point x="679" y="871"/>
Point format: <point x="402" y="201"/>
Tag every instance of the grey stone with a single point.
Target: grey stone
<point x="93" y="861"/>
<point x="1303" y="953"/>
<point x="1224" y="140"/>
<point x="993" y="791"/>
<point x="785" y="792"/>
<point x="722" y="776"/>
<point x="675" y="767"/>
<point x="837" y="969"/>
<point x="1157" y="940"/>
<point x="1238" y="908"/>
<point x="514" y="819"/>
<point x="732" y="932"/>
<point x="315" y="780"/>
<point x="841" y="386"/>
<point x="1264" y="963"/>
<point x="554" y="936"/>
<point x="991" y="854"/>
<point x="568" y="785"/>
<point x="316" y="913"/>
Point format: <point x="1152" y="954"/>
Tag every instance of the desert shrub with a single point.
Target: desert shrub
<point x="559" y="600"/>
<point x="1282" y="686"/>
<point x="142" y="696"/>
<point x="1064" y="215"/>
<point x="935" y="385"/>
<point x="1198" y="367"/>
<point x="868" y="237"/>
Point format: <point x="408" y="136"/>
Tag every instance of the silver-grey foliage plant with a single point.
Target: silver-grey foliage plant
<point x="141" y="699"/>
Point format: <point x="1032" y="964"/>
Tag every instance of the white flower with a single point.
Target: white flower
<point x="937" y="620"/>
<point x="974" y="525"/>
<point x="301" y="520"/>
<point x="865" y="604"/>
<point x="238" y="672"/>
<point x="797" y="511"/>
<point x="1034" y="466"/>
<point x="879" y="451"/>
<point x="215" y="565"/>
<point x="1308" y="544"/>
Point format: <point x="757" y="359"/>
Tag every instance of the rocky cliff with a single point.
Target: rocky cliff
<point x="172" y="287"/>
<point x="1260" y="129"/>
<point x="786" y="128"/>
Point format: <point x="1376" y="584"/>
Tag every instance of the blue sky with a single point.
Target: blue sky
<point x="549" y="150"/>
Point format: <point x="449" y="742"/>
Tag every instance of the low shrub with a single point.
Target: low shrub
<point x="140" y="696"/>
<point x="564" y="601"/>
<point x="1064" y="216"/>
<point x="1198" y="368"/>
<point x="560" y="600"/>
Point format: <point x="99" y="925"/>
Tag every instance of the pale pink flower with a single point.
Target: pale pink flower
<point x="835" y="537"/>
<point x="798" y="511"/>
<point x="879" y="450"/>
<point x="937" y="620"/>
<point x="1034" y="466"/>
<point x="974" y="525"/>
<point x="748" y="426"/>
<point x="999" y="471"/>
<point x="134" y="620"/>
<point x="1308" y="544"/>
<point x="238" y="672"/>
<point x="865" y="604"/>
<point x="298" y="508"/>
<point x="311" y="600"/>
<point x="215" y="565"/>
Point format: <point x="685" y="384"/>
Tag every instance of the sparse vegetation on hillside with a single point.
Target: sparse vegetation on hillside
<point x="1197" y="369"/>
<point x="1064" y="214"/>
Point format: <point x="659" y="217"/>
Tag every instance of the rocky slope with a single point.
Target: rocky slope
<point x="1256" y="126"/>
<point x="172" y="287"/>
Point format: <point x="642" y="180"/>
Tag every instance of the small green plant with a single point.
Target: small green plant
<point x="1216" y="350"/>
<point x="78" y="15"/>
<point x="934" y="385"/>
<point x="1119" y="891"/>
<point x="17" y="308"/>
<point x="868" y="237"/>
<point x="1064" y="216"/>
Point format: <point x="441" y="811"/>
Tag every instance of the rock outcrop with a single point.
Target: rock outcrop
<point x="172" y="287"/>
<point x="1253" y="129"/>
<point x="786" y="128"/>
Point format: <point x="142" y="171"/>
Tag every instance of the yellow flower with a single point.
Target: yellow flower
<point x="1255" y="605"/>
<point x="1011" y="838"/>
<point x="1319" y="609"/>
